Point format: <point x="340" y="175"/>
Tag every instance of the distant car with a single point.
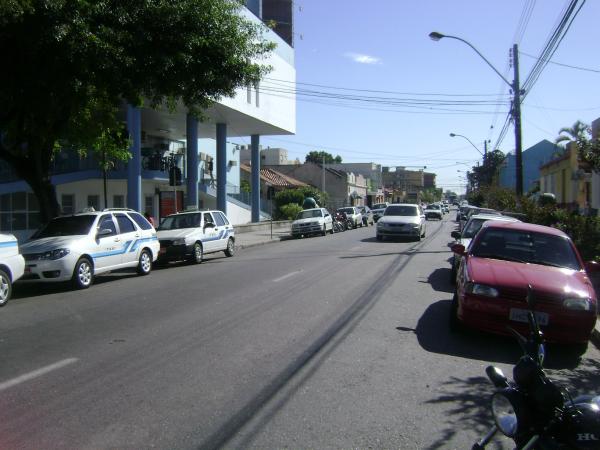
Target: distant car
<point x="12" y="266"/>
<point x="378" y="209"/>
<point x="83" y="245"/>
<point x="312" y="221"/>
<point x="471" y="212"/>
<point x="353" y="214"/>
<point x="434" y="211"/>
<point x="367" y="215"/>
<point x="191" y="235"/>
<point x="465" y="236"/>
<point x="496" y="270"/>
<point x="401" y="220"/>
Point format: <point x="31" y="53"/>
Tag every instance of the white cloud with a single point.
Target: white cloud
<point x="363" y="59"/>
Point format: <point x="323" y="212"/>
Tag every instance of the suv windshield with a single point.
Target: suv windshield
<point x="434" y="207"/>
<point x="347" y="210"/>
<point x="379" y="206"/>
<point x="401" y="210"/>
<point x="180" y="221"/>
<point x="526" y="247"/>
<point x="66" y="226"/>
<point x="307" y="214"/>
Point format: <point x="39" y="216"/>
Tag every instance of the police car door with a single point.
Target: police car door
<point x="210" y="241"/>
<point x="108" y="247"/>
<point x="130" y="238"/>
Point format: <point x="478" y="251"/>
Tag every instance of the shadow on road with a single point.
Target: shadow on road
<point x="434" y="335"/>
<point x="439" y="280"/>
<point x="469" y="398"/>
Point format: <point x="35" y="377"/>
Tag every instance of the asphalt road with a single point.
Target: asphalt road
<point x="328" y="342"/>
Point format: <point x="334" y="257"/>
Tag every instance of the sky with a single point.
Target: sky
<point x="408" y="92"/>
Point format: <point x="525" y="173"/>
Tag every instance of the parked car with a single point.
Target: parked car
<point x="353" y="214"/>
<point x="401" y="220"/>
<point x="367" y="215"/>
<point x="496" y="270"/>
<point x="471" y="212"/>
<point x="81" y="246"/>
<point x="378" y="209"/>
<point x="312" y="221"/>
<point x="12" y="266"/>
<point x="192" y="234"/>
<point x="433" y="211"/>
<point x="465" y="236"/>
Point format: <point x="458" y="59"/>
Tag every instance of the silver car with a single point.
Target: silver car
<point x="402" y="220"/>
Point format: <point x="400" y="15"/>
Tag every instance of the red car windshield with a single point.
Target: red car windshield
<point x="526" y="247"/>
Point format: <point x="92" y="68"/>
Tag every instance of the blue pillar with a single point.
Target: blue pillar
<point x="134" y="166"/>
<point x="255" y="187"/>
<point x="222" y="167"/>
<point x="191" y="134"/>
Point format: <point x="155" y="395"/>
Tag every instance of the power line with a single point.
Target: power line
<point x="586" y="69"/>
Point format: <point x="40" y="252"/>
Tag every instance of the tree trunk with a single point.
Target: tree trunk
<point x="45" y="192"/>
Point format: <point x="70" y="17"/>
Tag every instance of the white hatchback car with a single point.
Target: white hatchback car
<point x="312" y="221"/>
<point x="12" y="266"/>
<point x="83" y="245"/>
<point x="402" y="220"/>
<point x="190" y="235"/>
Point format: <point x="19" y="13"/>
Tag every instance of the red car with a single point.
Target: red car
<point x="506" y="257"/>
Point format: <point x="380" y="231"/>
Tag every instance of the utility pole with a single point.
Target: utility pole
<point x="323" y="175"/>
<point x="517" y="120"/>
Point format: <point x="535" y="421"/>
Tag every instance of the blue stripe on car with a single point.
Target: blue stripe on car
<point x="8" y="244"/>
<point x="119" y="251"/>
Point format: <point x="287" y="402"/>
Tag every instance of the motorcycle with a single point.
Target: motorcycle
<point x="532" y="410"/>
<point x="344" y="223"/>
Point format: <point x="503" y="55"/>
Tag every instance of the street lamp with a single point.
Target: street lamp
<point x="516" y="106"/>
<point x="474" y="146"/>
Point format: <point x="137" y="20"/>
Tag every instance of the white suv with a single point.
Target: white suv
<point x="12" y="265"/>
<point x="190" y="235"/>
<point x="83" y="245"/>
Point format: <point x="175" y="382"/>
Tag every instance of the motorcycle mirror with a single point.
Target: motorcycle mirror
<point x="496" y="376"/>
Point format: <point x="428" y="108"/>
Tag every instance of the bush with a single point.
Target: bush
<point x="290" y="211"/>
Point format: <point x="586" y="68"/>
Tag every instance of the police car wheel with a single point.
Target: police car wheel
<point x="230" y="248"/>
<point x="5" y="288"/>
<point x="145" y="263"/>
<point x="83" y="274"/>
<point x="198" y="253"/>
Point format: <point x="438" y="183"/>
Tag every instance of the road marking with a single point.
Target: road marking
<point x="291" y="274"/>
<point x="357" y="247"/>
<point x="36" y="373"/>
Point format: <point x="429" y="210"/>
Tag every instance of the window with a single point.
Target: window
<point x="208" y="218"/>
<point x="93" y="201"/>
<point x="19" y="211"/>
<point x="118" y="201"/>
<point x="224" y="217"/>
<point x="149" y="204"/>
<point x="67" y="202"/>
<point x="140" y="220"/>
<point x="106" y="223"/>
<point x="219" y="219"/>
<point x="125" y="225"/>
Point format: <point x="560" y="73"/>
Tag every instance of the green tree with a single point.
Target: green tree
<point x="588" y="148"/>
<point x="484" y="174"/>
<point x="317" y="158"/>
<point x="68" y="65"/>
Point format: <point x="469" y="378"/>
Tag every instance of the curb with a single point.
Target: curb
<point x="257" y="244"/>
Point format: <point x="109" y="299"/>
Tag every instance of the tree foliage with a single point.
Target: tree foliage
<point x="484" y="174"/>
<point x="317" y="157"/>
<point x="68" y="66"/>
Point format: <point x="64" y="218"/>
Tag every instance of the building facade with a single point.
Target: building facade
<point x="533" y="158"/>
<point x="202" y="161"/>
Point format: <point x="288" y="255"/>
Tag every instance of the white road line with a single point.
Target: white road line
<point x="355" y="248"/>
<point x="291" y="274"/>
<point x="36" y="373"/>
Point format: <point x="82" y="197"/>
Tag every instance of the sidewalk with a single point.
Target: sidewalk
<point x="252" y="238"/>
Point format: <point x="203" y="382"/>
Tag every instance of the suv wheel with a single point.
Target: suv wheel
<point x="83" y="274"/>
<point x="230" y="251"/>
<point x="5" y="288"/>
<point x="145" y="263"/>
<point x="197" y="253"/>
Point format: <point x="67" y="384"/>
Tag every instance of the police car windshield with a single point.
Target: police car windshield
<point x="180" y="221"/>
<point x="66" y="226"/>
<point x="401" y="210"/>
<point x="307" y="214"/>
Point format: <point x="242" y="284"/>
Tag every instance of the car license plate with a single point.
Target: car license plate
<point x="520" y="315"/>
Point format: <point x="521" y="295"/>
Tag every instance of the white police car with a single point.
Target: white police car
<point x="190" y="235"/>
<point x="83" y="245"/>
<point x="12" y="266"/>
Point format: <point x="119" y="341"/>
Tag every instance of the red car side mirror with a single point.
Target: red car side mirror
<point x="458" y="249"/>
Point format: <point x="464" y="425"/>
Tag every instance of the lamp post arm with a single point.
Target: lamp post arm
<point x="482" y="57"/>
<point x="470" y="142"/>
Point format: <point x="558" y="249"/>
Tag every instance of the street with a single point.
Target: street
<point x="326" y="342"/>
